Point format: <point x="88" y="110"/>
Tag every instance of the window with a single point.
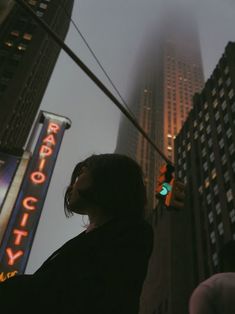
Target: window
<point x="229" y="195"/>
<point x="212" y="236"/>
<point x="229" y="133"/>
<point x="224" y="159"/>
<point x="232" y="215"/>
<point x="39" y="13"/>
<point x="221" y="228"/>
<point x="213" y="173"/>
<point x="15" y="33"/>
<point x="208" y="129"/>
<point x="210" y="217"/>
<point x="219" y="128"/>
<point x="231" y="93"/>
<point x="210" y="142"/>
<point x="217" y="116"/>
<point x="43" y="6"/>
<point x="221" y="93"/>
<point x="27" y="36"/>
<point x="204" y="152"/>
<point x="32" y="2"/>
<point x="203" y="138"/>
<point x="216" y="189"/>
<point x="224" y="105"/>
<point x="226" y="118"/>
<point x="231" y="149"/>
<point x="9" y="43"/>
<point x="205" y="166"/>
<point x="208" y="198"/>
<point x="212" y="157"/>
<point x="21" y="47"/>
<point x="218" y="208"/>
<point x="221" y="143"/>
<point x="226" y="176"/>
<point x="207" y="116"/>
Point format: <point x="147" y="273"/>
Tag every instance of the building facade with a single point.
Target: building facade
<point x="27" y="60"/>
<point x="205" y="161"/>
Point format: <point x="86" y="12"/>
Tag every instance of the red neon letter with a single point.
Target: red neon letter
<point x="45" y="151"/>
<point x="13" y="256"/>
<point x="53" y="127"/>
<point x="29" y="199"/>
<point x="38" y="177"/>
<point x="24" y="220"/>
<point x="42" y="164"/>
<point x="50" y="139"/>
<point x="19" y="234"/>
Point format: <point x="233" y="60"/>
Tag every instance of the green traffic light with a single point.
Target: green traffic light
<point x="166" y="188"/>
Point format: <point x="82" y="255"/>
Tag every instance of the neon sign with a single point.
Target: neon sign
<point x="20" y="232"/>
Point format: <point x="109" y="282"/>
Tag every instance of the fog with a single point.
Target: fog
<point x="118" y="32"/>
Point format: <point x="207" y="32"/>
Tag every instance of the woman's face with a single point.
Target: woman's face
<point x="77" y="203"/>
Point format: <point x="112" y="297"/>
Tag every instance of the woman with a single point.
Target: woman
<point x="102" y="269"/>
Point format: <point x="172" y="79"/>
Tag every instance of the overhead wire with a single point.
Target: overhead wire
<point x="91" y="75"/>
<point x="96" y="59"/>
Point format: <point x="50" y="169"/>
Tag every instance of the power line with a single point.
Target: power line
<point x="97" y="60"/>
<point x="91" y="75"/>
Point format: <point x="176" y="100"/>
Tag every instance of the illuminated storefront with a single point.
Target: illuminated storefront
<point x="19" y="235"/>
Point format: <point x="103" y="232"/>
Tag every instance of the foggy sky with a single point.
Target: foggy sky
<point x="116" y="30"/>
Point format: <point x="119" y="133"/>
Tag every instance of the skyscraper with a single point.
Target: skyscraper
<point x="169" y="74"/>
<point x="27" y="59"/>
<point x="205" y="161"/>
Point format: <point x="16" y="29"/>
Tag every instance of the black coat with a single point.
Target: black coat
<point x="97" y="272"/>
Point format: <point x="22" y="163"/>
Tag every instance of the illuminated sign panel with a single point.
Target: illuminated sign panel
<point x="8" y="167"/>
<point x="22" y="226"/>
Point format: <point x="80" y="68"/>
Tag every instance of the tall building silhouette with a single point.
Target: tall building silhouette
<point x="169" y="74"/>
<point x="27" y="60"/>
<point x="205" y="161"/>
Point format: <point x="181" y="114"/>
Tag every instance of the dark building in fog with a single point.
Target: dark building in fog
<point x="27" y="60"/>
<point x="205" y="161"/>
<point x="169" y="74"/>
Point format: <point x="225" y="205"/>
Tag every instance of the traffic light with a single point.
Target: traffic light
<point x="175" y="198"/>
<point x="164" y="181"/>
<point x="168" y="189"/>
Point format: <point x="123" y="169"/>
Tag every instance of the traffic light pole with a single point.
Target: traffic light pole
<point x="90" y="74"/>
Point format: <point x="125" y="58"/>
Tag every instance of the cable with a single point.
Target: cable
<point x="97" y="60"/>
<point x="90" y="74"/>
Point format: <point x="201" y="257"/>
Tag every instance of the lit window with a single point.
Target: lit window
<point x="220" y="81"/>
<point x="213" y="173"/>
<point x="188" y="146"/>
<point x="229" y="195"/>
<point x="27" y="36"/>
<point x="22" y="47"/>
<point x="203" y="138"/>
<point x="226" y="70"/>
<point x="204" y="152"/>
<point x="205" y="166"/>
<point x="206" y="182"/>
<point x="200" y="189"/>
<point x="215" y="103"/>
<point x="9" y="43"/>
<point x="32" y="2"/>
<point x="169" y="147"/>
<point x="205" y="105"/>
<point x="213" y="92"/>
<point x="208" y="198"/>
<point x="228" y="82"/>
<point x="15" y="33"/>
<point x="195" y="135"/>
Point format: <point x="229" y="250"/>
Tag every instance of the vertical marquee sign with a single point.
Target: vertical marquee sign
<point x="18" y="238"/>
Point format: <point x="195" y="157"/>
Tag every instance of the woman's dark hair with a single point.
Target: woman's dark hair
<point x="118" y="187"/>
